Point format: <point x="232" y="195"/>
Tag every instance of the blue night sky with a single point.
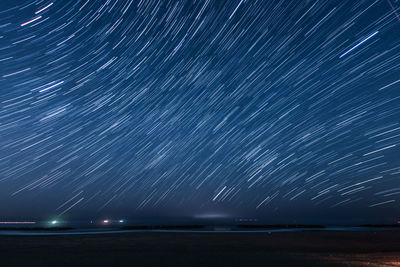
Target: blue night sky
<point x="283" y="110"/>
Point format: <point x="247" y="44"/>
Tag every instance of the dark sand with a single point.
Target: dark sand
<point x="311" y="248"/>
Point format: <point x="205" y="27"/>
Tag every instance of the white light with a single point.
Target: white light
<point x="106" y="221"/>
<point x="121" y="221"/>
<point x="53" y="222"/>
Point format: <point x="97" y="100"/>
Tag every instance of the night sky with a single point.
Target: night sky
<point x="280" y="110"/>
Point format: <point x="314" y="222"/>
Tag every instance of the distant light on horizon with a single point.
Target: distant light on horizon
<point x="211" y="216"/>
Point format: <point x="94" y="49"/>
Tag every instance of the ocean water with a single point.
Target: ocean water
<point x="206" y="229"/>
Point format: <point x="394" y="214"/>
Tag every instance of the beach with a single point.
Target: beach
<point x="301" y="248"/>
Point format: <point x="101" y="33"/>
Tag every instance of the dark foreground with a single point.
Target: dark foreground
<point x="311" y="248"/>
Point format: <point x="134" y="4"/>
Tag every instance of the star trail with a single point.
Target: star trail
<point x="202" y="107"/>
